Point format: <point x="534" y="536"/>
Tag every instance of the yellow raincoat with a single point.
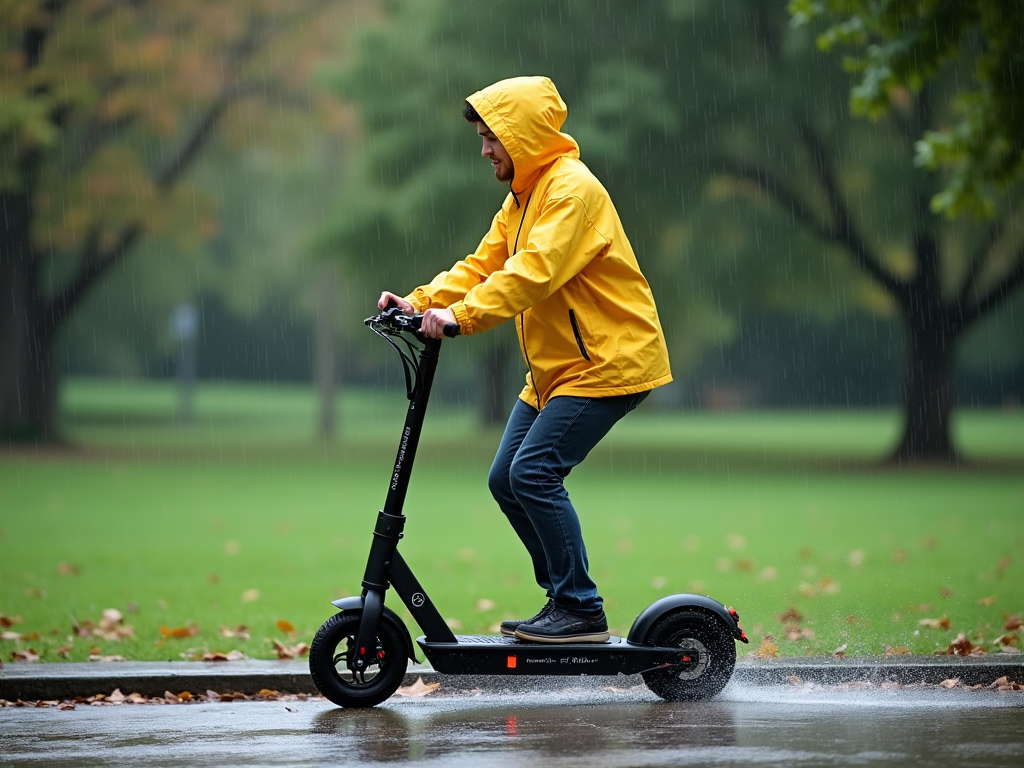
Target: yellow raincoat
<point x="557" y="259"/>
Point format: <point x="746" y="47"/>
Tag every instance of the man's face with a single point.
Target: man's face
<point x="494" y="151"/>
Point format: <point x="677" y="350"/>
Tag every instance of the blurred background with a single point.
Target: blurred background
<point x="209" y="197"/>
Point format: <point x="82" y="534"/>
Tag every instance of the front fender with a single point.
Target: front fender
<point x="644" y="622"/>
<point x="356" y="604"/>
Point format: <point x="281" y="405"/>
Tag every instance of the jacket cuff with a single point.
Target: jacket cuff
<point x="462" y="317"/>
<point x="419" y="302"/>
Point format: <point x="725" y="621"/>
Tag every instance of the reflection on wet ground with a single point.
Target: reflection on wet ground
<point x="584" y="725"/>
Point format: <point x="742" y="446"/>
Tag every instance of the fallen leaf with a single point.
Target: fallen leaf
<point x="99" y="657"/>
<point x="27" y="656"/>
<point x="1013" y="623"/>
<point x="768" y="573"/>
<point x="483" y="604"/>
<point x="229" y="656"/>
<point x="267" y="693"/>
<point x="961" y="646"/>
<point x="952" y="682"/>
<point x="745" y="564"/>
<point x="899" y="650"/>
<point x="987" y="600"/>
<point x="795" y="633"/>
<point x="807" y="590"/>
<point x="419" y="688"/>
<point x="736" y="542"/>
<point x="790" y="615"/>
<point x="1004" y="562"/>
<point x="285" y="626"/>
<point x="250" y="596"/>
<point x="840" y="652"/>
<point x="117" y="696"/>
<point x="180" y="632"/>
<point x="9" y="621"/>
<point x="68" y="569"/>
<point x="285" y="652"/>
<point x="1007" y="640"/>
<point x="241" y="632"/>
<point x="941" y="623"/>
<point x="767" y="649"/>
<point x="855" y="558"/>
<point x="828" y="586"/>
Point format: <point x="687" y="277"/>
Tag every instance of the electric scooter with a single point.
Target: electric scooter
<point x="683" y="646"/>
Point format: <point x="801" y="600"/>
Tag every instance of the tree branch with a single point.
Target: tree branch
<point x="992" y="236"/>
<point x="773" y="188"/>
<point x="842" y="228"/>
<point x="93" y="263"/>
<point x="963" y="317"/>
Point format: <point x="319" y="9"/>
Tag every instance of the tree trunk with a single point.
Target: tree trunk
<point x="928" y="393"/>
<point x="28" y="385"/>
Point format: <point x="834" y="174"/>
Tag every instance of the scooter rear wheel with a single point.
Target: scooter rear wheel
<point x="329" y="655"/>
<point x="712" y="656"/>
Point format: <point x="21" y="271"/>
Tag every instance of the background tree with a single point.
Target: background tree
<point x="648" y="85"/>
<point x="944" y="78"/>
<point x="106" y="105"/>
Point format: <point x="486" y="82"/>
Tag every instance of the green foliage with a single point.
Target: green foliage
<point x="905" y="45"/>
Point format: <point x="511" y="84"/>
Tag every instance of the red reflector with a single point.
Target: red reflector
<point x="687" y="658"/>
<point x="511" y="662"/>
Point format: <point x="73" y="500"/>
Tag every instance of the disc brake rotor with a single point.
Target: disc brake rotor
<point x="695" y="659"/>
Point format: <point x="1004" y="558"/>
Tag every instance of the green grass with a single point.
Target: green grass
<point x="764" y="511"/>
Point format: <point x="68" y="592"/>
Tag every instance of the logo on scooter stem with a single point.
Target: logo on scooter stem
<point x="418" y="600"/>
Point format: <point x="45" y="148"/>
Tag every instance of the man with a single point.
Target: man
<point x="557" y="260"/>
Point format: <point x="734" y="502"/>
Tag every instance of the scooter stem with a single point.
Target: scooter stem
<point x="390" y="520"/>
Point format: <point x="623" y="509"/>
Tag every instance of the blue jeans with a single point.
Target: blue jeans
<point x="537" y="451"/>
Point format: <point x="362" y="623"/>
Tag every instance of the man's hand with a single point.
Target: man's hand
<point x="388" y="299"/>
<point x="434" y="321"/>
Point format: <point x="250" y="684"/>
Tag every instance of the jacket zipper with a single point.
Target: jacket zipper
<point x="522" y="316"/>
<point x="576" y="333"/>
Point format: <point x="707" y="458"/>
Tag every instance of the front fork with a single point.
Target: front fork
<point x="386" y="534"/>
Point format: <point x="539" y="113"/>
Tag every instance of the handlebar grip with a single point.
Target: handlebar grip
<point x="451" y="330"/>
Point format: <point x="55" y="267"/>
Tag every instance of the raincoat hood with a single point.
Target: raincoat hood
<point x="526" y="114"/>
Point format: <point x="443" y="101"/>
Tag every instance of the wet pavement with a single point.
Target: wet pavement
<point x="591" y="724"/>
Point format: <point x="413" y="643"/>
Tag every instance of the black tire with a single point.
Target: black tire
<point x="328" y="662"/>
<point x="713" y="658"/>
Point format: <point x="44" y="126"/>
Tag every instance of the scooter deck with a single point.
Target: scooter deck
<point x="501" y="655"/>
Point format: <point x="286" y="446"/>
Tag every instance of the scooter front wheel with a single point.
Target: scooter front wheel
<point x="335" y="644"/>
<point x="709" y="658"/>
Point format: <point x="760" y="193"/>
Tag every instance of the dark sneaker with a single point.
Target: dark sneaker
<point x="509" y="626"/>
<point x="560" y="626"/>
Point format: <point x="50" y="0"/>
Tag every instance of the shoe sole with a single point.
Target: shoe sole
<point x="590" y="637"/>
<point x="507" y="632"/>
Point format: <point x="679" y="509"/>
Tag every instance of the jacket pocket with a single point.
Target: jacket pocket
<point x="579" y="337"/>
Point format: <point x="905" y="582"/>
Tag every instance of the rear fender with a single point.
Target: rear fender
<point x="644" y="622"/>
<point x="356" y="604"/>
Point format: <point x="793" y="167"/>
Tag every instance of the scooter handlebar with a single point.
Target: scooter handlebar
<point x="394" y="318"/>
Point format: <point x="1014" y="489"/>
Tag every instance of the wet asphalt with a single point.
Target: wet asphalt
<point x="592" y="724"/>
